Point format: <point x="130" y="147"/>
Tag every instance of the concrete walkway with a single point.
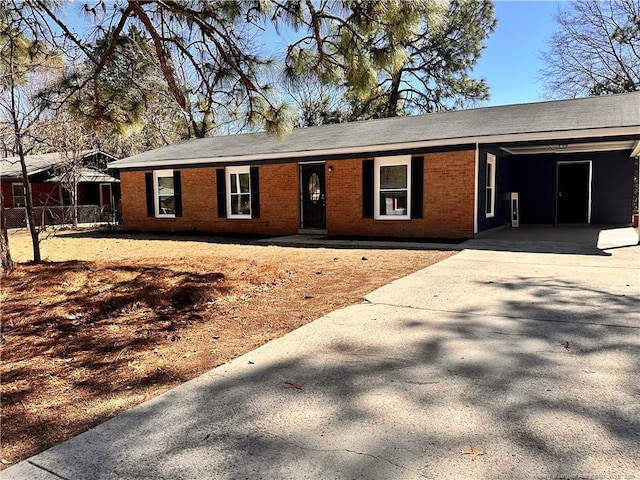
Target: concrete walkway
<point x="532" y="358"/>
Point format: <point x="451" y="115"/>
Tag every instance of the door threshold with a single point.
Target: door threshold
<point x="312" y="231"/>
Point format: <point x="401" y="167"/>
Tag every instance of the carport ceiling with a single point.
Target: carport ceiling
<point x="630" y="145"/>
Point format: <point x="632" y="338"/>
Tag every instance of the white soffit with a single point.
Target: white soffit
<point x="573" y="148"/>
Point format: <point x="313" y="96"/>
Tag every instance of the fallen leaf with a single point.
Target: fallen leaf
<point x="473" y="451"/>
<point x="297" y="386"/>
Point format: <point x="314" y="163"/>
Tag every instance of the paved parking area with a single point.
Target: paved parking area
<point x="531" y="358"/>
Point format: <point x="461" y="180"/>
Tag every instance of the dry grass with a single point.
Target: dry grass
<point x="110" y="321"/>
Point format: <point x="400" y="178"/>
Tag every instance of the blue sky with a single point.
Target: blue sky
<point x="511" y="60"/>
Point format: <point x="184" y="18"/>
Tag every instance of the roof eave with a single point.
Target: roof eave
<point x="447" y="142"/>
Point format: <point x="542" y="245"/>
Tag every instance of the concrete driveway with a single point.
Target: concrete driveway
<point x="532" y="358"/>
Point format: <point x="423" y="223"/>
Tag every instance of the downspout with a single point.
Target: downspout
<point x="475" y="198"/>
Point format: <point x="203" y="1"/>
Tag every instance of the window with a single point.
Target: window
<point x="490" y="188"/>
<point x="239" y="192"/>
<point x="19" y="195"/>
<point x="392" y="179"/>
<point x="164" y="193"/>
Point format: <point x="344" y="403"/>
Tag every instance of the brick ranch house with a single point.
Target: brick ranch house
<point x="447" y="175"/>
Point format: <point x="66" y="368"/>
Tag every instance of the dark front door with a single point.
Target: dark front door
<point x="312" y="188"/>
<point x="573" y="192"/>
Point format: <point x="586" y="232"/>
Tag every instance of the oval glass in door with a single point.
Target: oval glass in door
<point x="314" y="188"/>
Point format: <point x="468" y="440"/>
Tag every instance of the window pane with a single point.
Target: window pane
<point x="165" y="186"/>
<point x="19" y="197"/>
<point x="233" y="181"/>
<point x="244" y="182"/>
<point x="488" y="202"/>
<point x="314" y="188"/>
<point x="166" y="200"/>
<point x="240" y="204"/>
<point x="393" y="203"/>
<point x="393" y="177"/>
<point x="489" y="175"/>
<point x="239" y="182"/>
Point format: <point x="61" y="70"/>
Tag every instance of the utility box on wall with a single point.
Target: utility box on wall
<point x="515" y="209"/>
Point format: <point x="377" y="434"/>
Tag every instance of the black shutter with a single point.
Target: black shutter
<point x="148" y="184"/>
<point x="417" y="186"/>
<point x="177" y="193"/>
<point x="367" y="189"/>
<point x="221" y="193"/>
<point x="255" y="193"/>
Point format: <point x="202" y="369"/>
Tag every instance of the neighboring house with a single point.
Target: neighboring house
<point x="95" y="186"/>
<point x="448" y="174"/>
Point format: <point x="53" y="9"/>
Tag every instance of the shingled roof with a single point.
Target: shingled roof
<point x="11" y="169"/>
<point x="575" y="118"/>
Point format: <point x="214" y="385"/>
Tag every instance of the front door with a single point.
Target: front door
<point x="574" y="188"/>
<point x="312" y="193"/>
<point x="105" y="194"/>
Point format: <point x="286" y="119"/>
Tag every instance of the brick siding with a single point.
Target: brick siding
<point x="279" y="204"/>
<point x="448" y="202"/>
<point x="449" y="189"/>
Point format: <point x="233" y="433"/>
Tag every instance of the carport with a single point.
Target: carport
<point x="578" y="239"/>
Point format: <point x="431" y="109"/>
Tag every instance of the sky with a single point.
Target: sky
<point x="511" y="61"/>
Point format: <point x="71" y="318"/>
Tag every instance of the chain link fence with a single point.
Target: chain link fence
<point x="57" y="215"/>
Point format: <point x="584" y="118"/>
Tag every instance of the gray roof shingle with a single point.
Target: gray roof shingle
<point x="451" y="127"/>
<point x="10" y="167"/>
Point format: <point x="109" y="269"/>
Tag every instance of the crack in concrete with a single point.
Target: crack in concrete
<point x="337" y="450"/>
<point x="497" y="315"/>
<point x="31" y="462"/>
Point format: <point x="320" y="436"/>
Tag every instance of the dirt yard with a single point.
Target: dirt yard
<point x="111" y="320"/>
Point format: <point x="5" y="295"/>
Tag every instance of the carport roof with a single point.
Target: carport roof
<point x="590" y="117"/>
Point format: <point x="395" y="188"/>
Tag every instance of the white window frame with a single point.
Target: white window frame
<point x="13" y="194"/>
<point x="157" y="174"/>
<point x="386" y="162"/>
<point x="490" y="183"/>
<point x="229" y="172"/>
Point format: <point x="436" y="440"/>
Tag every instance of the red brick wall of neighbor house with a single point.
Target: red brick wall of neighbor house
<point x="7" y="194"/>
<point x="448" y="202"/>
<point x="279" y="203"/>
<point x="449" y="189"/>
<point x="45" y="194"/>
<point x="41" y="193"/>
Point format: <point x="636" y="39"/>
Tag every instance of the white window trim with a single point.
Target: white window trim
<point x="228" y="172"/>
<point x="24" y="194"/>
<point x="384" y="162"/>
<point x="156" y="198"/>
<point x="491" y="160"/>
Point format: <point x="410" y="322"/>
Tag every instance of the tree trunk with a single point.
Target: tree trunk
<point x="6" y="263"/>
<point x="394" y="94"/>
<point x="33" y="229"/>
<point x="74" y="201"/>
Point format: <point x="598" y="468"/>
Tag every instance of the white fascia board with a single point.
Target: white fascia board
<point x="476" y="189"/>
<point x="358" y="151"/>
<point x="636" y="150"/>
